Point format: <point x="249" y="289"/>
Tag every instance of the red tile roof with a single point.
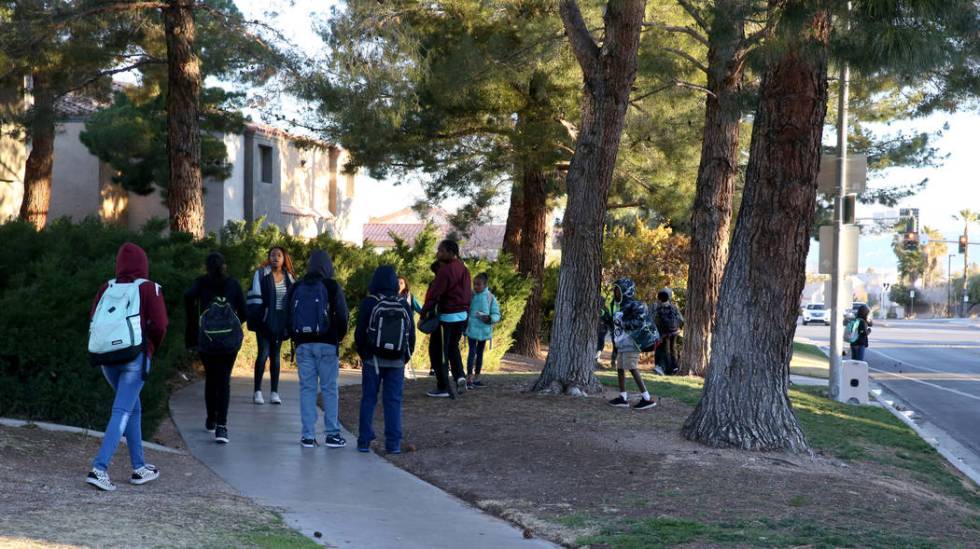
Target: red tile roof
<point x="483" y="241"/>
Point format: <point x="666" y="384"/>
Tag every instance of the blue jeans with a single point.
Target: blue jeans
<point x="272" y="351"/>
<point x="474" y="358"/>
<point x="857" y="352"/>
<point x="127" y="381"/>
<point x="318" y="364"/>
<point x="390" y="381"/>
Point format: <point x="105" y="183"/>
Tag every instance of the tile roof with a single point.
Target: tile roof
<point x="483" y="241"/>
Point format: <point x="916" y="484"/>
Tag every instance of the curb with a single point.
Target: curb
<point x="8" y="422"/>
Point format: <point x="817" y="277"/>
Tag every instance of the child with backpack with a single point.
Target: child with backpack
<point x="484" y="313"/>
<point x="629" y="318"/>
<point x="128" y="323"/>
<point x="215" y="308"/>
<point x="385" y="339"/>
<point x="317" y="318"/>
<point x="857" y="333"/>
<point x="669" y="323"/>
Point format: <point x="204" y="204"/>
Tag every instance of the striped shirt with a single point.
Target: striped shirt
<point x="281" y="294"/>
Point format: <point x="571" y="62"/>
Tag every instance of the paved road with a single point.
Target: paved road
<point x="933" y="366"/>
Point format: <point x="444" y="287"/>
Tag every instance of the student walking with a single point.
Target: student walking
<point x="449" y="296"/>
<point x="317" y="319"/>
<point x="215" y="307"/>
<point x="484" y="313"/>
<point x="267" y="317"/>
<point x="628" y="317"/>
<point x="859" y="330"/>
<point x="385" y="338"/>
<point x="128" y="323"/>
<point x="669" y="321"/>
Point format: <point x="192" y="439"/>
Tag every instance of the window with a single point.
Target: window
<point x="265" y="163"/>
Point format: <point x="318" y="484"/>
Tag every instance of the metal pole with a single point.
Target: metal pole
<point x="836" y="314"/>
<point x="949" y="285"/>
<point x="966" y="256"/>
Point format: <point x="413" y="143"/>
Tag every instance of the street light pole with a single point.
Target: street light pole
<point x="949" y="285"/>
<point x="836" y="314"/>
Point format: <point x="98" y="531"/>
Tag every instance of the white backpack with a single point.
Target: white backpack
<point x="116" y="333"/>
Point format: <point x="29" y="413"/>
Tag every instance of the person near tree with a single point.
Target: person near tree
<point x="628" y="315"/>
<point x="126" y="375"/>
<point x="484" y="313"/>
<point x="215" y="308"/>
<point x="669" y="321"/>
<point x="267" y="317"/>
<point x="449" y="296"/>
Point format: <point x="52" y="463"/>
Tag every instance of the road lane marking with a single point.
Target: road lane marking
<point x="905" y="377"/>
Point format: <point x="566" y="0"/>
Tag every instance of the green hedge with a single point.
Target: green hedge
<point x="49" y="278"/>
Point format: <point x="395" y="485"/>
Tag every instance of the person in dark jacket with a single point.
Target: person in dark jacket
<point x="216" y="284"/>
<point x="449" y="296"/>
<point x="629" y="315"/>
<point x="267" y="317"/>
<point x="127" y="379"/>
<point x="669" y="322"/>
<point x="863" y="330"/>
<point x="386" y="374"/>
<point x="317" y="355"/>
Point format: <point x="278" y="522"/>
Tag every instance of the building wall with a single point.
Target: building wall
<point x="234" y="187"/>
<point x="353" y="201"/>
<point x="75" y="185"/>
<point x="266" y="197"/>
<point x="305" y="186"/>
<point x="13" y="151"/>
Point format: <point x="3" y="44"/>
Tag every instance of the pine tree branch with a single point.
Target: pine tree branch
<point x="583" y="45"/>
<point x="690" y="31"/>
<point x="695" y="14"/>
<point x="111" y="72"/>
<point x="690" y="58"/>
<point x="624" y="206"/>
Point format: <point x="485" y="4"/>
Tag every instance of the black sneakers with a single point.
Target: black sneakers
<point x="221" y="434"/>
<point x="335" y="441"/>
<point x="438" y="394"/>
<point x="619" y="402"/>
<point x="209" y="425"/>
<point x="644" y="404"/>
<point x="308" y="442"/>
<point x="144" y="474"/>
<point x="100" y="479"/>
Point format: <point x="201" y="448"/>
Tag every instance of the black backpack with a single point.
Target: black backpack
<point x="668" y="319"/>
<point x="388" y="333"/>
<point x="220" y="329"/>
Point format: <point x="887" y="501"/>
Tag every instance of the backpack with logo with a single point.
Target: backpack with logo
<point x="220" y="330"/>
<point x="647" y="338"/>
<point x="853" y="332"/>
<point x="116" y="332"/>
<point x="388" y="328"/>
<point x="668" y="318"/>
<point x="309" y="309"/>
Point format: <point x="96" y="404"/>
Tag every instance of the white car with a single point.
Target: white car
<point x="816" y="312"/>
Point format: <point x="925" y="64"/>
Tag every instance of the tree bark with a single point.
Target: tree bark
<point x="185" y="192"/>
<point x="711" y="215"/>
<point x="745" y="403"/>
<point x="40" y="162"/>
<point x="530" y="261"/>
<point x="608" y="75"/>
<point x="515" y="222"/>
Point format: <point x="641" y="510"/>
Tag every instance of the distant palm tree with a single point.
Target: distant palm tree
<point x="966" y="216"/>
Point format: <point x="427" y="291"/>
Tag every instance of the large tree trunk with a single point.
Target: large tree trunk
<point x="609" y="73"/>
<point x="40" y="163"/>
<point x="711" y="215"/>
<point x="515" y="222"/>
<point x="745" y="403"/>
<point x="530" y="261"/>
<point x="185" y="193"/>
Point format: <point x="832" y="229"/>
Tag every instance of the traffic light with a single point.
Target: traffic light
<point x="910" y="241"/>
<point x="963" y="243"/>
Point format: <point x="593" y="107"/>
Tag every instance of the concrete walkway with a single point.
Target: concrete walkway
<point x="352" y="499"/>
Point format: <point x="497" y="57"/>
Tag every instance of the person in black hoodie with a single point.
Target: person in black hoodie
<point x="383" y="372"/>
<point x="317" y="338"/>
<point x="220" y="349"/>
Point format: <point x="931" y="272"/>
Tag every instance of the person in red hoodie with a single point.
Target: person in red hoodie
<point x="449" y="296"/>
<point x="127" y="379"/>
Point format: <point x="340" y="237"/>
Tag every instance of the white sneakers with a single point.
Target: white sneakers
<point x="274" y="398"/>
<point x="100" y="479"/>
<point x="144" y="474"/>
<point x="257" y="399"/>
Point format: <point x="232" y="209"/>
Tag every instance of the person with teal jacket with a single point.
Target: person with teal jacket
<point x="484" y="313"/>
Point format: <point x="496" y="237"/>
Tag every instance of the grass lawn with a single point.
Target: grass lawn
<point x="808" y="360"/>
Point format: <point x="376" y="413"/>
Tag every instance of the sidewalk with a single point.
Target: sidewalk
<point x="352" y="499"/>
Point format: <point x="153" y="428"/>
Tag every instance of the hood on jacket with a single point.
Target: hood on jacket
<point x="626" y="287"/>
<point x="384" y="281"/>
<point x="131" y="262"/>
<point x="321" y="265"/>
<point x="665" y="295"/>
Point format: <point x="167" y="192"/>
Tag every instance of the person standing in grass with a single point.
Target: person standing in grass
<point x="629" y="316"/>
<point x="669" y="321"/>
<point x="449" y="297"/>
<point x="267" y="317"/>
<point x="384" y="338"/>
<point x="128" y="323"/>
<point x="484" y="313"/>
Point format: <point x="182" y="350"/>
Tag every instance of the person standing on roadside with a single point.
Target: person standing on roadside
<point x="861" y="327"/>
<point x="449" y="296"/>
<point x="267" y="317"/>
<point x="215" y="307"/>
<point x="128" y="323"/>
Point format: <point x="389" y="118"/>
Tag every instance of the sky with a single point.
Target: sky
<point x="952" y="186"/>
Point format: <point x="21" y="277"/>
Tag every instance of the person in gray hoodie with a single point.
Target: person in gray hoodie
<point x="317" y="318"/>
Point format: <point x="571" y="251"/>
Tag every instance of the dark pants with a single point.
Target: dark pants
<point x="391" y="382"/>
<point x="666" y="354"/>
<point x="475" y="357"/>
<point x="435" y="350"/>
<point x="217" y="385"/>
<point x="857" y="352"/>
<point x="272" y="351"/>
<point x="452" y="333"/>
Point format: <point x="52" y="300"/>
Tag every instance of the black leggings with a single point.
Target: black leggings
<point x="452" y="333"/>
<point x="217" y="385"/>
<point x="272" y="351"/>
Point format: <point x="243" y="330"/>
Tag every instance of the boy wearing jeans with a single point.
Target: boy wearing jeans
<point x="317" y="357"/>
<point x="629" y="315"/>
<point x="484" y="313"/>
